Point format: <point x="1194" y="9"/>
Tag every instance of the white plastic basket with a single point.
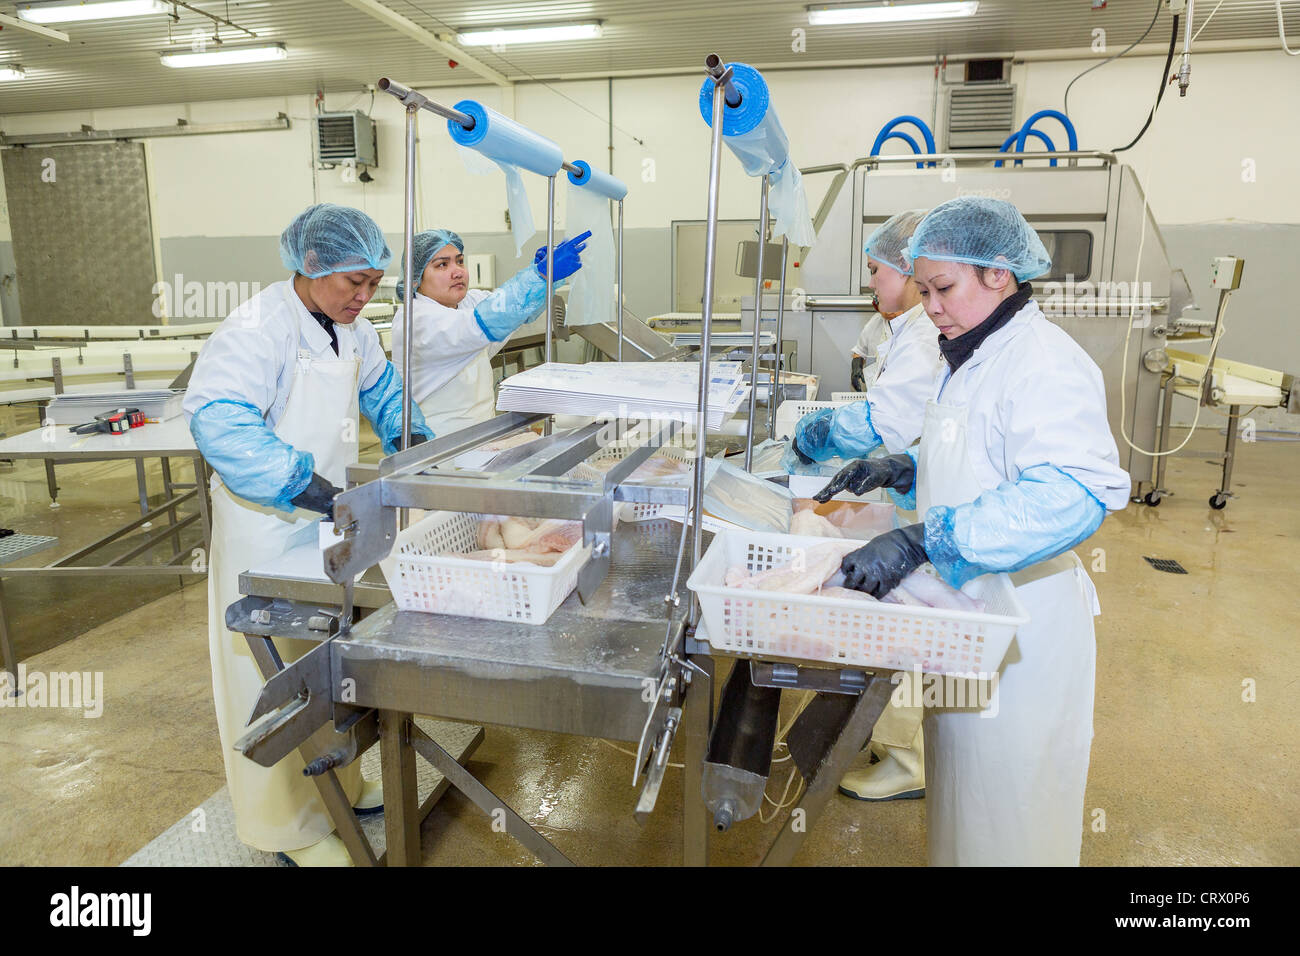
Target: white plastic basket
<point x="788" y="414"/>
<point x="843" y="630"/>
<point x="847" y="397"/>
<point x="424" y="574"/>
<point x="631" y="510"/>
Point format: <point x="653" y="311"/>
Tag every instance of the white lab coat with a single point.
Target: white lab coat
<point x="271" y="353"/>
<point x="1006" y="787"/>
<point x="451" y="368"/>
<point x="1032" y="395"/>
<point x="906" y="364"/>
<point x="873" y="333"/>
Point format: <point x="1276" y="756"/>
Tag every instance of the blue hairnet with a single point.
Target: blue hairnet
<point x="888" y="244"/>
<point x="426" y="244"/>
<point x="327" y="238"/>
<point x="981" y="232"/>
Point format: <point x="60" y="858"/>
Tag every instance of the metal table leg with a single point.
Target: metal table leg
<point x="205" y="503"/>
<point x="142" y="486"/>
<point x="401" y="817"/>
<point x="167" y="496"/>
<point x="871" y="704"/>
<point x="698" y="721"/>
<point x="6" y="645"/>
<point x="331" y="792"/>
<point x="1220" y="499"/>
<point x="1166" y="410"/>
<point x="51" y="483"/>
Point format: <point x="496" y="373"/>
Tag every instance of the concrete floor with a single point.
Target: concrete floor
<point x="1184" y="770"/>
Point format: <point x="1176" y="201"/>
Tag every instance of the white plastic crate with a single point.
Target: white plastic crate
<point x="788" y="414"/>
<point x="424" y="574"/>
<point x="632" y="510"/>
<point x="846" y="397"/>
<point x="844" y="630"/>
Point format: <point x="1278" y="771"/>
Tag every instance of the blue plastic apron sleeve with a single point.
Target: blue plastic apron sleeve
<point x="596" y="181"/>
<point x="592" y="294"/>
<point x="753" y="132"/>
<point x="511" y="147"/>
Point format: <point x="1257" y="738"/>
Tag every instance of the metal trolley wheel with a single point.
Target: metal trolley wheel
<point x="1218" y="501"/>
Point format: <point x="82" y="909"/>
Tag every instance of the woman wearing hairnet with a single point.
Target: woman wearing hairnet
<point x="457" y="329"/>
<point x="1016" y="465"/>
<point x="889" y="420"/>
<point x="273" y="405"/>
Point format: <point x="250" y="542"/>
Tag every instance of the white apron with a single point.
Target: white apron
<point x="466" y="400"/>
<point x="277" y="808"/>
<point x="1007" y="790"/>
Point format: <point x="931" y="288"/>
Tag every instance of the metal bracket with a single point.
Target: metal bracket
<point x="299" y="702"/>
<point x="654" y="780"/>
<point x="128" y="369"/>
<point x="668" y="694"/>
<point x="820" y="679"/>
<point x="597" y="531"/>
<point x="369" y="530"/>
<point x="56" y="366"/>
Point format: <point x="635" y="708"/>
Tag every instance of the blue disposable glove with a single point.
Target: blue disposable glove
<point x="516" y="303"/>
<point x="1038" y="516"/>
<point x="381" y="403"/>
<point x="567" y="257"/>
<point x="253" y="463"/>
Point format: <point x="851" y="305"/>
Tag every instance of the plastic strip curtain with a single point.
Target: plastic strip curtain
<point x="754" y="134"/>
<point x="509" y="147"/>
<point x="592" y="297"/>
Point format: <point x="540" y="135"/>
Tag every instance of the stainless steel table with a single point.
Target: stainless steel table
<point x="165" y="440"/>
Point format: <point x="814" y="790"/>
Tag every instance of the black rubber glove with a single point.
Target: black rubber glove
<point x="886" y="559"/>
<point x="857" y="379"/>
<point x="317" y="496"/>
<point x="417" y="438"/>
<point x="794" y="447"/>
<point x="891" y="471"/>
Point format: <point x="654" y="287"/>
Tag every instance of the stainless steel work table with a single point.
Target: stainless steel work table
<point x="583" y="672"/>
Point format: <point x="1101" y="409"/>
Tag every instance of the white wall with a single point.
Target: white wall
<point x="253" y="183"/>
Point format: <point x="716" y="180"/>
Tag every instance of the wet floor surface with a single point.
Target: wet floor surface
<point x="1193" y="760"/>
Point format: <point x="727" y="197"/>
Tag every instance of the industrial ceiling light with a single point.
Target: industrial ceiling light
<point x="65" y="12"/>
<point x="502" y="36"/>
<point x="12" y="73"/>
<point x="888" y="12"/>
<point x="226" y="56"/>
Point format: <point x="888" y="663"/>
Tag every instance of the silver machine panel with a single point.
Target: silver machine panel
<point x="1089" y="212"/>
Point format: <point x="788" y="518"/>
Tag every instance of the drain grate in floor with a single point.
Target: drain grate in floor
<point x="1165" y="564"/>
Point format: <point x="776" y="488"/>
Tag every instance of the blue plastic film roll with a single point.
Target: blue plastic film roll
<point x="597" y="182"/>
<point x="505" y="141"/>
<point x="751" y="130"/>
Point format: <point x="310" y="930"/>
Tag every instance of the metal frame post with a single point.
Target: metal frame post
<point x="754" y="362"/>
<point x="550" y="276"/>
<point x="619" y="303"/>
<point x="706" y="324"/>
<point x="772" y="394"/>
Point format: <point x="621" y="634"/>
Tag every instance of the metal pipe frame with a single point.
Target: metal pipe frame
<point x="774" y="390"/>
<point x="714" y="66"/>
<point x="550" y="267"/>
<point x="754" y="355"/>
<point x="619" y="305"/>
<point x="408" y="270"/>
<point x="720" y="81"/>
<point x="413" y="100"/>
<point x="963" y="159"/>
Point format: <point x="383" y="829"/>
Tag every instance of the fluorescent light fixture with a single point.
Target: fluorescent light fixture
<point x="226" y="56"/>
<point x="12" y="73"/>
<point x="891" y="12"/>
<point x="503" y="36"/>
<point x="72" y="12"/>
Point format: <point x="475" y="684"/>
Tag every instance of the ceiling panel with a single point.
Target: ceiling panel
<point x="336" y="48"/>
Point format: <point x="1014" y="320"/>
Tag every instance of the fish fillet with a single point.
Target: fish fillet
<point x="932" y="591"/>
<point x="810" y="523"/>
<point x="510" y="556"/>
